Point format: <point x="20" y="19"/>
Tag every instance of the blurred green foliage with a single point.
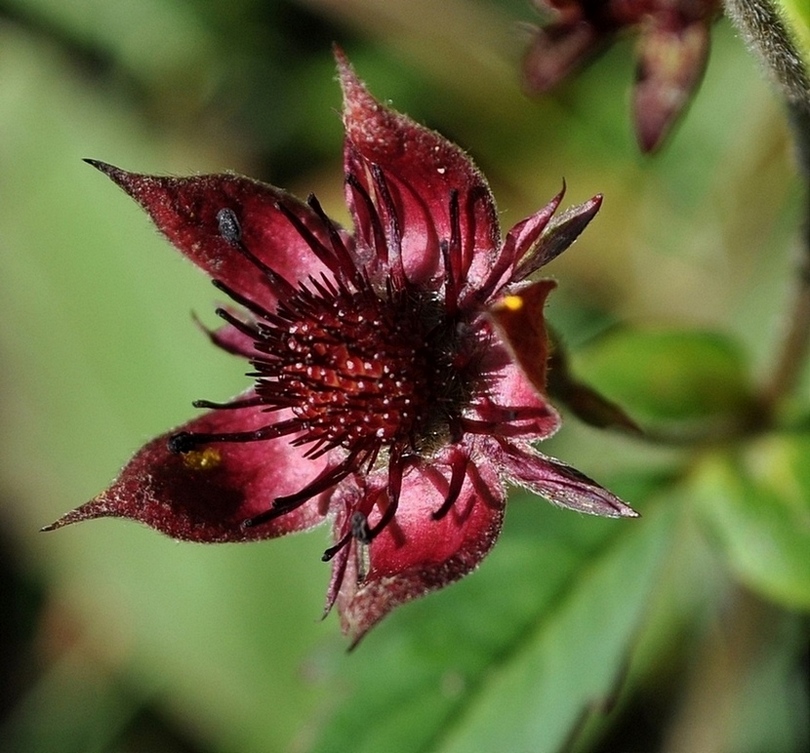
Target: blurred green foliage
<point x="669" y="376"/>
<point x="683" y="631"/>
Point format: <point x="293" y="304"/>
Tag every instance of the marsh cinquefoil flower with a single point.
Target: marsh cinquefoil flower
<point x="399" y="371"/>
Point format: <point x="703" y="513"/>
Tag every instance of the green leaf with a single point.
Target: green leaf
<point x="757" y="504"/>
<point x="667" y="376"/>
<point x="103" y="353"/>
<point x="515" y="656"/>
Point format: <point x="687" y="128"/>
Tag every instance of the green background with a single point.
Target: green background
<point x="685" y="630"/>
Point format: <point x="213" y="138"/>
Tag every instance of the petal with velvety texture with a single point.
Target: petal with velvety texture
<point x="230" y="339"/>
<point x="421" y="171"/>
<point x="521" y="323"/>
<point x="511" y="405"/>
<point x="185" y="211"/>
<point x="416" y="554"/>
<point x="205" y="495"/>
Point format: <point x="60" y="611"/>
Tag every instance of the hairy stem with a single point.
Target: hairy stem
<point x="793" y="355"/>
<point x="764" y="30"/>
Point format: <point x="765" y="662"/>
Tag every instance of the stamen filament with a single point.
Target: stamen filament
<point x="395" y="471"/>
<point x="324" y="254"/>
<point x="245" y="328"/>
<point x="380" y="245"/>
<point x="394" y="232"/>
<point x="242" y="300"/>
<point x="346" y="260"/>
<point x="325" y="480"/>
<point x="333" y="550"/>
<point x="186" y="441"/>
<point x="248" y="402"/>
<point x="458" y="471"/>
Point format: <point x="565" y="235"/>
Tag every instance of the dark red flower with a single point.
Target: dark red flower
<point x="399" y="371"/>
<point x="671" y="56"/>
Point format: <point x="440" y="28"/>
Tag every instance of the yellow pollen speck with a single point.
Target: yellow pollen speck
<point x="202" y="460"/>
<point x="512" y="302"/>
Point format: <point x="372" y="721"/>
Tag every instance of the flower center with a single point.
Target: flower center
<point x="381" y="371"/>
<point x="361" y="370"/>
<point x="356" y="368"/>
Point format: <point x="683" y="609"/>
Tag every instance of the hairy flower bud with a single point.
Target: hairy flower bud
<point x="672" y="51"/>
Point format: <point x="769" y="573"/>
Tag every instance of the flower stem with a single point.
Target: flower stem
<point x="795" y="347"/>
<point x="764" y="30"/>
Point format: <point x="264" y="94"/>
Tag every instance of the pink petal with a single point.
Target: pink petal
<point x="185" y="211"/>
<point x="512" y="405"/>
<point x="521" y="324"/>
<point x="560" y="483"/>
<point x="416" y="554"/>
<point x="206" y="495"/>
<point x="422" y="170"/>
<point x="229" y="338"/>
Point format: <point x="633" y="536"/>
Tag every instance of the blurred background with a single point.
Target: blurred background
<point x="683" y="631"/>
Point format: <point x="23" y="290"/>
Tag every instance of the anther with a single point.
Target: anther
<point x="232" y="405"/>
<point x="333" y="550"/>
<point x="229" y="227"/>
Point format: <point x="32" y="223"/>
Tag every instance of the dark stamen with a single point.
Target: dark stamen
<point x="333" y="550"/>
<point x="266" y="517"/>
<point x="283" y="505"/>
<point x="395" y="470"/>
<point x="347" y="261"/>
<point x="323" y="287"/>
<point x="324" y="254"/>
<point x="380" y="245"/>
<point x="186" y="441"/>
<point x="242" y="300"/>
<point x="394" y="231"/>
<point x="458" y="470"/>
<point x="243" y="327"/>
<point x="328" y="478"/>
<point x="450" y="282"/>
<point x="455" y="270"/>
<point x="231" y="231"/>
<point x="385" y="519"/>
<point x="248" y="402"/>
<point x="181" y="443"/>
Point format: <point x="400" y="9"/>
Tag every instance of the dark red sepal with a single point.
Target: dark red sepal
<point x="207" y="494"/>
